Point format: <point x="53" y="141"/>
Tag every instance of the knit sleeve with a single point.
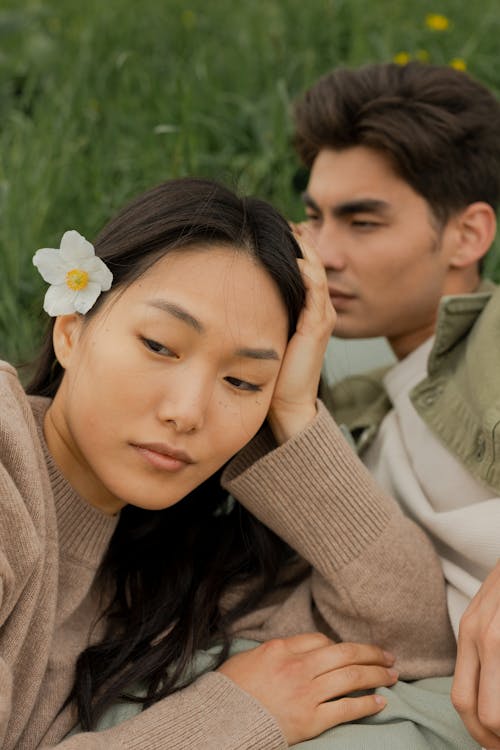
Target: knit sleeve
<point x="375" y="575"/>
<point x="5" y="698"/>
<point x="212" y="713"/>
<point x="11" y="582"/>
<point x="19" y="541"/>
<point x="5" y="673"/>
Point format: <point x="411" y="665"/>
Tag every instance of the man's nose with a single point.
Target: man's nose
<point x="330" y="248"/>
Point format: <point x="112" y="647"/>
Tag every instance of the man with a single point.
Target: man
<point x="404" y="184"/>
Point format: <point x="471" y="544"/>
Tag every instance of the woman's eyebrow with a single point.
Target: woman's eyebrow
<point x="178" y="312"/>
<point x="181" y="314"/>
<point x="258" y="353"/>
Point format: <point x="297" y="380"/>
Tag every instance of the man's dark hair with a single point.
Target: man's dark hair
<point x="439" y="128"/>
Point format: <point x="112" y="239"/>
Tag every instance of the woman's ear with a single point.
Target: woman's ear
<point x="475" y="231"/>
<point x="65" y="336"/>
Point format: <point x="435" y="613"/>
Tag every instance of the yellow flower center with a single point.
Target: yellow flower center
<point x="77" y="279"/>
<point x="402" y="58"/>
<point x="458" y="63"/>
<point x="437" y="22"/>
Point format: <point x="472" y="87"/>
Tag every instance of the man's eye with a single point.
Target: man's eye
<point x="242" y="385"/>
<point x="312" y="216"/>
<point x="365" y="224"/>
<point x="157" y="348"/>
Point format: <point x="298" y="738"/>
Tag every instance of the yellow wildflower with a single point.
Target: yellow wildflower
<point x="188" y="18"/>
<point x="436" y="22"/>
<point x="458" y="63"/>
<point x="422" y="55"/>
<point x="402" y="58"/>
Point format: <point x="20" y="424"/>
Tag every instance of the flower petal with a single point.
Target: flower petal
<point x="86" y="298"/>
<point x="98" y="272"/>
<point x="59" y="300"/>
<point x="75" y="248"/>
<point x="50" y="265"/>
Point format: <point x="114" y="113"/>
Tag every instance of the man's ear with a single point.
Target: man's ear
<point x="65" y="335"/>
<point x="474" y="232"/>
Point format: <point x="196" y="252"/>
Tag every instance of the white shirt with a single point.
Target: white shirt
<point x="433" y="487"/>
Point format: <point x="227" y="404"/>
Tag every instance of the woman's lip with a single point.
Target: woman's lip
<point x="167" y="450"/>
<point x="164" y="457"/>
<point x="337" y="293"/>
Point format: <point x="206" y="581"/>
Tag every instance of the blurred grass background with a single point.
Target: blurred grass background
<point x="100" y="100"/>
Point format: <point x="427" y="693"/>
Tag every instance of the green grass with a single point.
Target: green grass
<point x="99" y="101"/>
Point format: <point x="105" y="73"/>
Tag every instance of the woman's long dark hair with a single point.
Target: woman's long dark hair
<point x="168" y="570"/>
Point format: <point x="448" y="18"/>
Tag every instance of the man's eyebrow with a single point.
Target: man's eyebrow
<point x="178" y="312"/>
<point x="308" y="201"/>
<point x="258" y="353"/>
<point x="359" y="206"/>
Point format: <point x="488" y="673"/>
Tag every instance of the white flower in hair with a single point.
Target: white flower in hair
<point x="75" y="274"/>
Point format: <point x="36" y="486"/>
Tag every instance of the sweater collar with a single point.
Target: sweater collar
<point x="84" y="531"/>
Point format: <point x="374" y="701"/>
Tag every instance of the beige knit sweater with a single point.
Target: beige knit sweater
<point x="374" y="578"/>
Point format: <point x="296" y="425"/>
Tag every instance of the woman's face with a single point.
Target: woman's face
<point x="168" y="380"/>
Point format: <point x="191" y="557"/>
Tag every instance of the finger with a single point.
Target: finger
<point x="302" y="233"/>
<point x="488" y="695"/>
<point x="306" y="242"/>
<point x="347" y="680"/>
<point x="333" y="713"/>
<point x="314" y="278"/>
<point x="465" y="685"/>
<point x="318" y="306"/>
<point x="311" y="262"/>
<point x="338" y="655"/>
<point x="305" y="642"/>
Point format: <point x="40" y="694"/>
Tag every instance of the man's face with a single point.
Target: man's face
<point x="386" y="260"/>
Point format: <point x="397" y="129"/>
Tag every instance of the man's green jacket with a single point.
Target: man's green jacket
<point x="460" y="397"/>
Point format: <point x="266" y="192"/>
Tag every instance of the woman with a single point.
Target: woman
<point x="121" y="557"/>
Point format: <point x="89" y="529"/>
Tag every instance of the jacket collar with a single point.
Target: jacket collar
<point x="457" y="314"/>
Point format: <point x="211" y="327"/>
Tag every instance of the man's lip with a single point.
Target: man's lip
<point x="166" y="450"/>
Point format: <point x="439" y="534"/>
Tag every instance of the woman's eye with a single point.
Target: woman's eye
<point x="242" y="385"/>
<point x="157" y="348"/>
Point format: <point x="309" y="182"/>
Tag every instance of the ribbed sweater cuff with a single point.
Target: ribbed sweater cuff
<point x="213" y="714"/>
<point x="313" y="492"/>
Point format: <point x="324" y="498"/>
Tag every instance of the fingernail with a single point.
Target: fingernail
<point x="390" y="658"/>
<point x="380" y="700"/>
<point x="393" y="673"/>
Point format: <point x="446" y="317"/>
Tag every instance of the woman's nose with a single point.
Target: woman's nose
<point x="186" y="406"/>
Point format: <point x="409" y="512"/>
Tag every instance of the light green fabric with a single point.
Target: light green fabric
<point x="418" y="716"/>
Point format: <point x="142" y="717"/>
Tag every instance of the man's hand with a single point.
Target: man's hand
<point x="476" y="686"/>
<point x="294" y="401"/>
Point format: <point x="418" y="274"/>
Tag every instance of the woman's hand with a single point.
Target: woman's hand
<point x="302" y="681"/>
<point x="294" y="401"/>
